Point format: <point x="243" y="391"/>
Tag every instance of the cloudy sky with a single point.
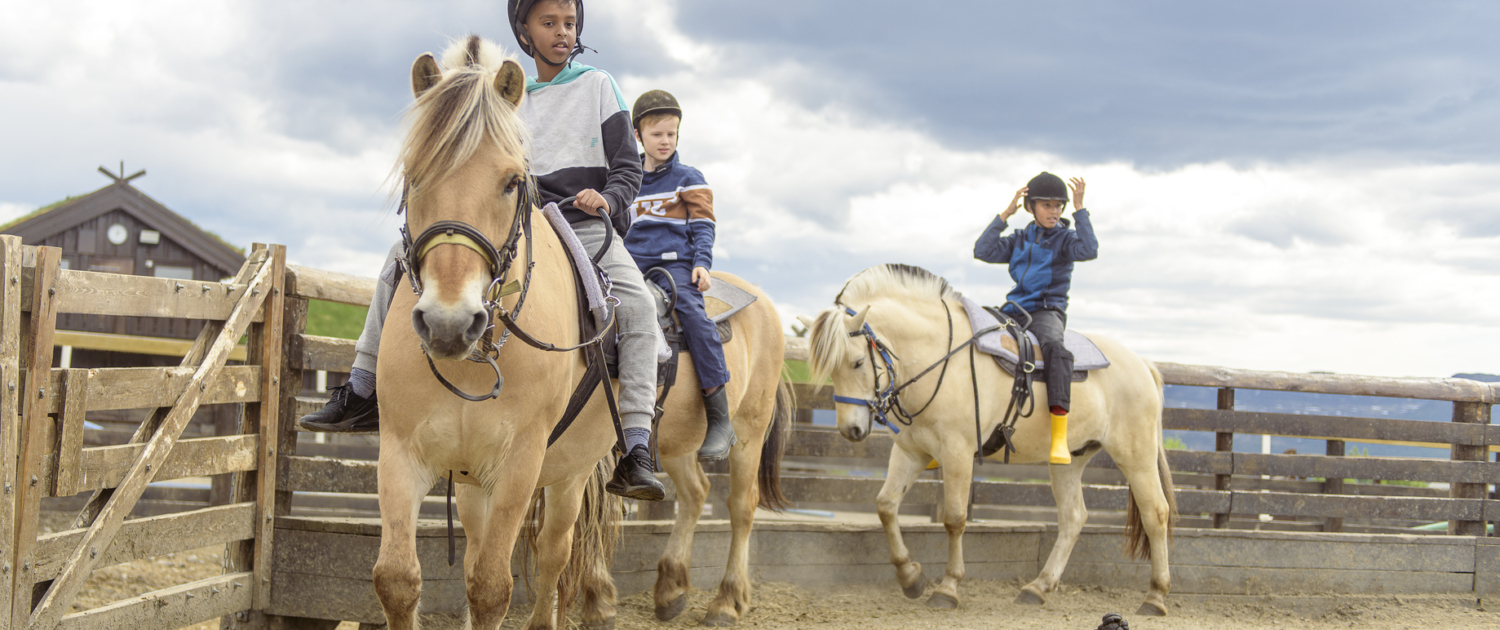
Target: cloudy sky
<point x="1275" y="185"/>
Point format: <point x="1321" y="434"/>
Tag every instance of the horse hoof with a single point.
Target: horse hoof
<point x="916" y="589"/>
<point x="1151" y="610"/>
<point x="670" y="611"/>
<point x="1029" y="598"/>
<point x="602" y="624"/>
<point x="719" y="620"/>
<point x="942" y="601"/>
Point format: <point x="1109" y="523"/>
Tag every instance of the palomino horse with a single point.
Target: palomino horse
<point x="1117" y="409"/>
<point x="464" y="163"/>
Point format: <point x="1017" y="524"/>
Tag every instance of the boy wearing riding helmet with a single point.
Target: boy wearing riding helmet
<point x="674" y="229"/>
<point x="1041" y="258"/>
<point x="581" y="148"/>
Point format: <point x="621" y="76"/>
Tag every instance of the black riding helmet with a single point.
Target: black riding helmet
<point x="654" y="102"/>
<point x="1046" y="186"/>
<point x="517" y="10"/>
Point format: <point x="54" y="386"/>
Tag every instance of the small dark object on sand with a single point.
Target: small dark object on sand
<point x="1113" y="621"/>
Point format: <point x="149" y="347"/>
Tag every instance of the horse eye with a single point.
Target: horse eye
<point x="514" y="183"/>
<point x="859" y="364"/>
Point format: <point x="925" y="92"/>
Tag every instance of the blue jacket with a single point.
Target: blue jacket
<point x="673" y="218"/>
<point x="1040" y="260"/>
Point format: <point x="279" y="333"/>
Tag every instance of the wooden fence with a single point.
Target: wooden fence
<point x="276" y="471"/>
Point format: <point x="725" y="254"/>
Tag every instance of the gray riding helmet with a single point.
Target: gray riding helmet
<point x="517" y="10"/>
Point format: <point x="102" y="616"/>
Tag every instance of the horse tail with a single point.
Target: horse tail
<point x="596" y="534"/>
<point x="1139" y="545"/>
<point x="771" y="450"/>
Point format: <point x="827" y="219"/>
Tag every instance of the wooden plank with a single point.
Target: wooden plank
<point x="1477" y="415"/>
<point x="811" y="396"/>
<point x="75" y="395"/>
<point x="819" y="442"/>
<point x="153" y="536"/>
<point x="325" y="353"/>
<point x="268" y="353"/>
<point x="1409" y="469"/>
<point x="95" y="293"/>
<point x="169" y="608"/>
<point x="331" y="286"/>
<point x="106" y="466"/>
<point x="1378" y="430"/>
<point x="1344" y="506"/>
<point x="322" y="474"/>
<point x="1454" y="389"/>
<point x="36" y="442"/>
<point x="146" y="387"/>
<point x="60" y="596"/>
<point x="797" y="349"/>
<point x="10" y="410"/>
<point x="132" y="344"/>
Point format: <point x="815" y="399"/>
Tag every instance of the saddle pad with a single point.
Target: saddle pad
<point x="581" y="260"/>
<point x="732" y="298"/>
<point x="1086" y="355"/>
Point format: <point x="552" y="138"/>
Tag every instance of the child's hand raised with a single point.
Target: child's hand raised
<point x="1077" y="184"/>
<point x="1014" y="203"/>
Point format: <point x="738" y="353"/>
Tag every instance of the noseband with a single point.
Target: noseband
<point x="887" y="402"/>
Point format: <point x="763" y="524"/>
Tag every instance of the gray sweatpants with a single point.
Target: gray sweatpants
<point x="636" y="315"/>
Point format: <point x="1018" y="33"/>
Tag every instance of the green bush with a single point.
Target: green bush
<point x="331" y="319"/>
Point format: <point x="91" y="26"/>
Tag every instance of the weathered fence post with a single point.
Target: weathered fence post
<point x="37" y="357"/>
<point x="1224" y="443"/>
<point x="1332" y="485"/>
<point x="1469" y="413"/>
<point x="10" y="434"/>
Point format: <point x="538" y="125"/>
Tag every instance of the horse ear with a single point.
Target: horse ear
<point x="807" y="322"/>
<point x="510" y="81"/>
<point x="425" y="73"/>
<point x="859" y="320"/>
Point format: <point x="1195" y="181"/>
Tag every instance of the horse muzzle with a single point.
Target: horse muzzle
<point x="449" y="332"/>
<point x="857" y="429"/>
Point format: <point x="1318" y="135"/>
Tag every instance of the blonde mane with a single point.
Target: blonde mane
<point x="450" y="121"/>
<point x="828" y="338"/>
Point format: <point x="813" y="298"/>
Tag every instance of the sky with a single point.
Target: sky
<point x="1274" y="185"/>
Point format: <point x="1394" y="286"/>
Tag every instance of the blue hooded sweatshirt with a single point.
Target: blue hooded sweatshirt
<point x="1041" y="260"/>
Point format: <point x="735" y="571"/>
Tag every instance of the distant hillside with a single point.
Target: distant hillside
<point x="1182" y="397"/>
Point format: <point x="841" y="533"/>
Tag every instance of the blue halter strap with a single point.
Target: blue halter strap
<point x="881" y="404"/>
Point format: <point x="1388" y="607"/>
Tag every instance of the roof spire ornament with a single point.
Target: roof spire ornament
<point x="122" y="178"/>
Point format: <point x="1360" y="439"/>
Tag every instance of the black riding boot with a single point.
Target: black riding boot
<point x="634" y="478"/>
<point x="720" y="436"/>
<point x="346" y="412"/>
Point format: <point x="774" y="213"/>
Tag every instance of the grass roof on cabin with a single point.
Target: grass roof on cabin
<point x="36" y="213"/>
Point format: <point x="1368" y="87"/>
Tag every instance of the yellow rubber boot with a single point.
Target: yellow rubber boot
<point x="1060" y="453"/>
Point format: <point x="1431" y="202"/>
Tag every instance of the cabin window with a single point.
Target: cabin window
<point x="174" y="271"/>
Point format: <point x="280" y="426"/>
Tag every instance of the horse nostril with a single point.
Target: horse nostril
<point x="477" y="326"/>
<point x="419" y="322"/>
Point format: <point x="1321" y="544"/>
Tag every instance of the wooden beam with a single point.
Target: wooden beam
<point x="35" y="439"/>
<point x="1454" y="389"/>
<point x="325" y="353"/>
<point x="1376" y="430"/>
<point x="146" y="387"/>
<point x="106" y="466"/>
<point x="330" y="286"/>
<point x="10" y="411"/>
<point x="75" y="394"/>
<point x="133" y="344"/>
<point x="153" y="536"/>
<point x="1469" y="413"/>
<point x="269" y="358"/>
<point x="92" y="293"/>
<point x="175" y="607"/>
<point x="60" y="596"/>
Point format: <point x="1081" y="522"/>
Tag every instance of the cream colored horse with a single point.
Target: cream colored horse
<point x="464" y="161"/>
<point x="760" y="407"/>
<point x="1118" y="410"/>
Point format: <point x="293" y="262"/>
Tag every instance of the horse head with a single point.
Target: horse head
<point x="466" y="183"/>
<point x="840" y="350"/>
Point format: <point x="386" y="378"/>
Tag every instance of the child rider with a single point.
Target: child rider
<point x="674" y="229"/>
<point x="1041" y="258"/>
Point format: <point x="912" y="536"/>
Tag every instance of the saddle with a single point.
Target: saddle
<point x="1006" y="351"/>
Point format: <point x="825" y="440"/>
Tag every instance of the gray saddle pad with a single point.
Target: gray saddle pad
<point x="722" y="301"/>
<point x="1086" y="355"/>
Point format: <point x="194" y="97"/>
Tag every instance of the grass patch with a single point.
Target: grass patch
<point x="331" y="319"/>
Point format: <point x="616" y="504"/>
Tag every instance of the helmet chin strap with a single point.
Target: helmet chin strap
<point x="578" y="49"/>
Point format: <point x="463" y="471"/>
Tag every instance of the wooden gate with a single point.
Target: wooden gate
<point x="42" y="452"/>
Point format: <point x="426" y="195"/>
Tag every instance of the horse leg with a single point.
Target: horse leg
<point x="672" y="581"/>
<point x="554" y="546"/>
<point x="1154" y="514"/>
<point x="733" y="600"/>
<point x="487" y="580"/>
<point x="900" y="473"/>
<point x="957" y="478"/>
<point x="1067" y="490"/>
<point x="397" y="573"/>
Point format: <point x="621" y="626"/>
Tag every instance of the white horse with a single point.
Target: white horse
<point x="1117" y="409"/>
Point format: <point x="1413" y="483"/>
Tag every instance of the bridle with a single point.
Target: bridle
<point x="500" y="261"/>
<point x="886" y="403"/>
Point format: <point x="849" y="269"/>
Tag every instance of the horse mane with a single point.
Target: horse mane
<point x="449" y="122"/>
<point x="826" y="337"/>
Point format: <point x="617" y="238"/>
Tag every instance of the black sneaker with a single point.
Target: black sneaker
<point x="346" y="412"/>
<point x="634" y="479"/>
